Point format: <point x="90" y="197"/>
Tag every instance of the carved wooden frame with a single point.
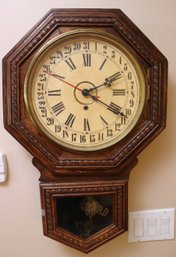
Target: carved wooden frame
<point x="49" y="191"/>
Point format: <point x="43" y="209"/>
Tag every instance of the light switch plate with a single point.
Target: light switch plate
<point x="151" y="225"/>
<point x="3" y="168"/>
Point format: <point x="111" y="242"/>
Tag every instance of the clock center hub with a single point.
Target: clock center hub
<point x="81" y="92"/>
<point x="85" y="92"/>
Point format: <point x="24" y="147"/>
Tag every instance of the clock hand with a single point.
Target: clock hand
<point x="84" y="91"/>
<point x="108" y="81"/>
<point x="115" y="76"/>
<point x="112" y="107"/>
<point x="62" y="79"/>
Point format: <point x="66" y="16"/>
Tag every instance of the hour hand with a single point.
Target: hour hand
<point x="108" y="81"/>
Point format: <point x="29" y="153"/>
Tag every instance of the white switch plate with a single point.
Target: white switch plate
<point x="151" y="225"/>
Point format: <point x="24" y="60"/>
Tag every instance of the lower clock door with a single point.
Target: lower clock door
<point x="84" y="215"/>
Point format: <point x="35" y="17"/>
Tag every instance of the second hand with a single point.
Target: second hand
<point x="61" y="79"/>
<point x="71" y="85"/>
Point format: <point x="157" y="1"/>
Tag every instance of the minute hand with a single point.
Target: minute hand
<point x="112" y="107"/>
<point x="108" y="81"/>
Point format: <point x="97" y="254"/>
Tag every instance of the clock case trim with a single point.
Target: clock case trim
<point x="62" y="160"/>
<point x="50" y="191"/>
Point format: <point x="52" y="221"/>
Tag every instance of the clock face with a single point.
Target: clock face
<point x="85" y="90"/>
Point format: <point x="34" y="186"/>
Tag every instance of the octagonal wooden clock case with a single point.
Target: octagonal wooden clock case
<point x="84" y="92"/>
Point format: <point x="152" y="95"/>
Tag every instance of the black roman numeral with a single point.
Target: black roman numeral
<point x="118" y="92"/>
<point x="86" y="125"/>
<point x="70" y="120"/>
<point x="103" y="120"/>
<point x="123" y="120"/>
<point x="58" y="108"/>
<point x="70" y="64"/>
<point x="103" y="63"/>
<point x="54" y="92"/>
<point x="87" y="59"/>
<point x="114" y="108"/>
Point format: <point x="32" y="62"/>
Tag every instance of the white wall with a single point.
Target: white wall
<point x="152" y="182"/>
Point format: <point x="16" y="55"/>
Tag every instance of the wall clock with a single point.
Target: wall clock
<point x="84" y="93"/>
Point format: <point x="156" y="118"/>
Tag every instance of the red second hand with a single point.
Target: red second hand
<point x="60" y="78"/>
<point x="77" y="88"/>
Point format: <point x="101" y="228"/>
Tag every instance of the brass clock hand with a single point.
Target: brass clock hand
<point x="108" y="81"/>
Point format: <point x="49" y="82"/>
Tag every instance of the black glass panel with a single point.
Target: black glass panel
<point x="84" y="215"/>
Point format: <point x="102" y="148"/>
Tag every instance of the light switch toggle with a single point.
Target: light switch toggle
<point x="164" y="225"/>
<point x="3" y="168"/>
<point x="152" y="226"/>
<point x="138" y="227"/>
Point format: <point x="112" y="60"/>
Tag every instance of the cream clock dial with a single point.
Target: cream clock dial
<point x="85" y="90"/>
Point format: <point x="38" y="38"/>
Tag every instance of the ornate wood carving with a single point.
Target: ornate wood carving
<point x="49" y="193"/>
